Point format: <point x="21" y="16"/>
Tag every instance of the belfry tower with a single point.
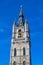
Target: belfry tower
<point x="20" y="42"/>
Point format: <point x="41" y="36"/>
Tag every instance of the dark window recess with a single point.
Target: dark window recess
<point x="23" y="51"/>
<point x="19" y="33"/>
<point x="24" y="63"/>
<point x="14" y="51"/>
<point x="14" y="63"/>
<point x="19" y="30"/>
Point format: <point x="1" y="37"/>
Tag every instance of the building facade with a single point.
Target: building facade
<point x="20" y="42"/>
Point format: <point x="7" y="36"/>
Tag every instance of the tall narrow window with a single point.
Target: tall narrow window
<point x="14" y="51"/>
<point x="23" y="51"/>
<point x="24" y="63"/>
<point x="14" y="63"/>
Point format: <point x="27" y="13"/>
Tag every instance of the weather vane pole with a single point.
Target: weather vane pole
<point x="21" y="7"/>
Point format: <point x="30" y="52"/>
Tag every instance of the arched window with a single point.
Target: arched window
<point x="19" y="33"/>
<point x="24" y="51"/>
<point x="14" y="63"/>
<point x="19" y="30"/>
<point x="14" y="51"/>
<point x="24" y="63"/>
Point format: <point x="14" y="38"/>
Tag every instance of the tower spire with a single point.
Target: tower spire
<point x="21" y="17"/>
<point x="21" y="7"/>
<point x="21" y="12"/>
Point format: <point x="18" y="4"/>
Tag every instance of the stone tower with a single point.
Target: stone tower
<point x="20" y="42"/>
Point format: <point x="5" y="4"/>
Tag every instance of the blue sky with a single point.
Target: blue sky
<point x="9" y="11"/>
